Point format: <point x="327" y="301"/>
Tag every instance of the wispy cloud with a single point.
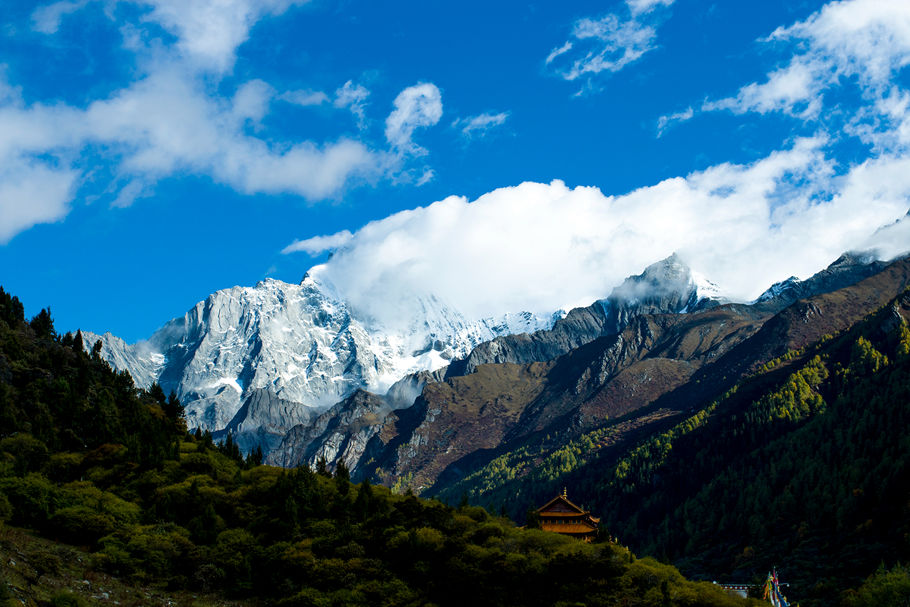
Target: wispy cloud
<point x="166" y="124"/>
<point x="305" y="97"/>
<point x="480" y="125"/>
<point x="855" y="46"/>
<point x="793" y="90"/>
<point x="210" y="31"/>
<point x="608" y="43"/>
<point x="354" y="98"/>
<point x="319" y="244"/>
<point x="46" y="19"/>
<point x="415" y="107"/>
<point x="668" y="120"/>
<point x="640" y="7"/>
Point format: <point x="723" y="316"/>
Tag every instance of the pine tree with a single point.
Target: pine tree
<point x="11" y="309"/>
<point x="157" y="393"/>
<point x="342" y="478"/>
<point x="255" y="457"/>
<point x="364" y="500"/>
<point x="43" y="324"/>
<point x="322" y="467"/>
<point x="173" y="408"/>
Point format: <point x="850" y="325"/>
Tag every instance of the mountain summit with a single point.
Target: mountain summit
<point x="259" y="360"/>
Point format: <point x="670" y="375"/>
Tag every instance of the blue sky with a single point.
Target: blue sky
<point x="154" y="151"/>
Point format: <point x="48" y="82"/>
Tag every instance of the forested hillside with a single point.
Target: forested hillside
<point x="88" y="459"/>
<point x="804" y="464"/>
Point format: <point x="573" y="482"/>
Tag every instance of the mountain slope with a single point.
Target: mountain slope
<point x="666" y="286"/>
<point x="533" y="468"/>
<point x="807" y="459"/>
<point x="653" y="370"/>
<point x="804" y="464"/>
<point x="257" y="361"/>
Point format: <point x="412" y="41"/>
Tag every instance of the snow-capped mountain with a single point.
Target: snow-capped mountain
<point x="259" y="360"/>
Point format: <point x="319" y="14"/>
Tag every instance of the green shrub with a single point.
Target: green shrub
<point x="81" y="525"/>
<point x="66" y="598"/>
<point x="30" y="453"/>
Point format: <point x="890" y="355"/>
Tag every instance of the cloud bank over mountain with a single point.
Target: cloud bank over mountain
<point x="540" y="247"/>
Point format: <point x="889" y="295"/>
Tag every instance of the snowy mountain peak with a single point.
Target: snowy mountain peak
<point x="258" y="360"/>
<point x="777" y="289"/>
<point x="668" y="284"/>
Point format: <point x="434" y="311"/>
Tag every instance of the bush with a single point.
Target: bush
<point x="63" y="467"/>
<point x="29" y="452"/>
<point x="885" y="587"/>
<point x="81" y="525"/>
<point x="6" y="509"/>
<point x="34" y="499"/>
<point x="66" y="598"/>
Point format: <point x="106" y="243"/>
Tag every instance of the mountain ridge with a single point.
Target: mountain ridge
<point x="256" y="362"/>
<point x="658" y="350"/>
<point x="246" y="358"/>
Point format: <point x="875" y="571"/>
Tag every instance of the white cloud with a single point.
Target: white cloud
<point x="793" y="90"/>
<point x="856" y="45"/>
<point x="558" y="51"/>
<point x="479" y="125"/>
<point x="416" y="106"/>
<point x="319" y="244"/>
<point x="540" y="247"/>
<point x="164" y="124"/>
<point x="132" y="191"/>
<point x="251" y="101"/>
<point x="209" y="31"/>
<point x="353" y="97"/>
<point x="46" y="19"/>
<point x="180" y="117"/>
<point x="304" y="97"/>
<point x="159" y="126"/>
<point x="608" y="44"/>
<point x="638" y="7"/>
<point x="427" y="176"/>
<point x="666" y="121"/>
<point x="46" y="188"/>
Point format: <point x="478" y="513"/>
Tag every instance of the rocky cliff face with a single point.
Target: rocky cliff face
<point x="257" y="361"/>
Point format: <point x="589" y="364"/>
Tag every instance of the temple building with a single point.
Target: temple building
<point x="562" y="516"/>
